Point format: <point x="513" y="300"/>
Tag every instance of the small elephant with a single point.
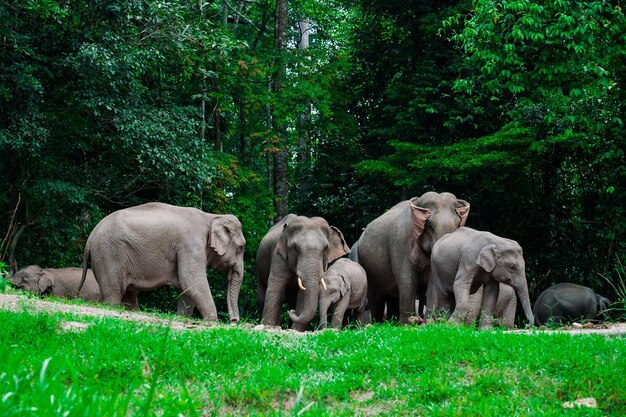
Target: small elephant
<point x="144" y="247"/>
<point x="61" y="282"/>
<point x="395" y="248"/>
<point x="291" y="260"/>
<point x="467" y="259"/>
<point x="346" y="288"/>
<point x="567" y="302"/>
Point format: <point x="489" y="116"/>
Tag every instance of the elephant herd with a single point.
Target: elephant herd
<point x="419" y="248"/>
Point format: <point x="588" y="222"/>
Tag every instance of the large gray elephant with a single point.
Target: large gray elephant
<point x="567" y="302"/>
<point x="346" y="288"/>
<point x="395" y="248"/>
<point x="145" y="247"/>
<point x="467" y="259"/>
<point x="290" y="262"/>
<point x="60" y="282"/>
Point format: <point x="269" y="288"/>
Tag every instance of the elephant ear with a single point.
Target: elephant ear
<point x="45" y="282"/>
<point x="338" y="246"/>
<point x="487" y="258"/>
<point x="419" y="217"/>
<point x="344" y="286"/>
<point x="220" y="236"/>
<point x="463" y="211"/>
<point x="281" y="245"/>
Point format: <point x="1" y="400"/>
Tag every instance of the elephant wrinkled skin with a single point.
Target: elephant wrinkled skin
<point x="60" y="282"/>
<point x="145" y="247"/>
<point x="395" y="248"/>
<point x="467" y="259"/>
<point x="291" y="260"/>
<point x="346" y="288"/>
<point x="567" y="302"/>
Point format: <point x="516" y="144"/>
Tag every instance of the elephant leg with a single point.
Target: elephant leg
<point x="437" y="301"/>
<point x="376" y="305"/>
<point x="360" y="316"/>
<point x="193" y="282"/>
<point x="340" y="311"/>
<point x="110" y="278"/>
<point x="490" y="297"/>
<point x="261" y="289"/>
<point x="463" y="308"/>
<point x="274" y="297"/>
<point x="407" y="288"/>
<point x="185" y="305"/>
<point x="129" y="300"/>
<point x="506" y="306"/>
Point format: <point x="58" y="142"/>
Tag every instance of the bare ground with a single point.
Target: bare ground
<point x="16" y="302"/>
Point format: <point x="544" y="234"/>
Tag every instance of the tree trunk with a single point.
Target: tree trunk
<point x="281" y="168"/>
<point x="304" y="120"/>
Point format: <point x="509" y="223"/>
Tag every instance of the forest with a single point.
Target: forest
<point x="331" y="108"/>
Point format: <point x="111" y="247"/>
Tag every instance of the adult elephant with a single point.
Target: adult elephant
<point x="567" y="302"/>
<point x="145" y="247"/>
<point x="290" y="262"/>
<point x="394" y="250"/>
<point x="60" y="282"/>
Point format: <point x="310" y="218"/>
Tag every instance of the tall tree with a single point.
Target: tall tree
<point x="281" y="167"/>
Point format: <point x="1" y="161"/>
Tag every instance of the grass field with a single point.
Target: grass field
<point x="119" y="368"/>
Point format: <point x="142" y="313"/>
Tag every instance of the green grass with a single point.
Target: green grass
<point x="118" y="368"/>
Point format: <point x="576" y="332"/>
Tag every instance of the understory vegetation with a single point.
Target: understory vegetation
<point x="118" y="368"/>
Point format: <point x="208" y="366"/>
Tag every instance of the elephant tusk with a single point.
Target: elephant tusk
<point x="323" y="284"/>
<point x="300" y="284"/>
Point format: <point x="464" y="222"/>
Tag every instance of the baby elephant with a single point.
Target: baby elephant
<point x="62" y="282"/>
<point x="346" y="288"/>
<point x="567" y="302"/>
<point x="467" y="259"/>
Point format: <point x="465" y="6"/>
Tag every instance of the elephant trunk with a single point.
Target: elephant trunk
<point x="324" y="306"/>
<point x="310" y="274"/>
<point x="524" y="299"/>
<point x="235" y="279"/>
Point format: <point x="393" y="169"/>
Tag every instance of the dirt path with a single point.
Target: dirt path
<point x="14" y="302"/>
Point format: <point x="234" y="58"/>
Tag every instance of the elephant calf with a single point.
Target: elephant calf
<point x="345" y="288"/>
<point x="567" y="302"/>
<point x="62" y="282"/>
<point x="467" y="259"/>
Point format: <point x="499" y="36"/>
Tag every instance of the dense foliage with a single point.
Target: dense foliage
<point x="515" y="106"/>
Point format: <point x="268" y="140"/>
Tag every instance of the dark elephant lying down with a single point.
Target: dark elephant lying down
<point x="567" y="302"/>
<point x="62" y="282"/>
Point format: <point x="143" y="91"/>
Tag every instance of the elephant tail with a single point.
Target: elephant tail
<point x="86" y="262"/>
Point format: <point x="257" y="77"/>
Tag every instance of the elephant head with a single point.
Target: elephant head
<point x="33" y="278"/>
<point x="434" y="215"/>
<point x="504" y="261"/>
<point x="225" y="251"/>
<point x="308" y="246"/>
<point x="336" y="288"/>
